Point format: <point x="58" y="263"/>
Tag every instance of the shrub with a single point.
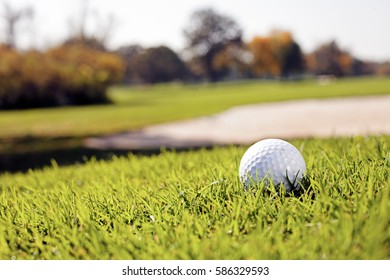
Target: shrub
<point x="61" y="76"/>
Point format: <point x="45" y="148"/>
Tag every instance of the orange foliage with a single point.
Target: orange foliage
<point x="60" y="76"/>
<point x="264" y="58"/>
<point x="270" y="53"/>
<point x="81" y="65"/>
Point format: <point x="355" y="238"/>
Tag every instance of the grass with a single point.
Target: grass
<point x="136" y="107"/>
<point x="190" y="205"/>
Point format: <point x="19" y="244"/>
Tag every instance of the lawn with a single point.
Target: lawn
<point x="137" y="107"/>
<point x="191" y="205"/>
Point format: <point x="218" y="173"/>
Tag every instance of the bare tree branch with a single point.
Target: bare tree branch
<point x="12" y="18"/>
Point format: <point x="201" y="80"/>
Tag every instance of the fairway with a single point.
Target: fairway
<point x="190" y="205"/>
<point x="138" y="107"/>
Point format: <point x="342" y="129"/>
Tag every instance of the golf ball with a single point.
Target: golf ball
<point x="272" y="159"/>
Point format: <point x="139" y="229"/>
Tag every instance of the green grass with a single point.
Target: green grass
<point x="190" y="205"/>
<point x="136" y="107"/>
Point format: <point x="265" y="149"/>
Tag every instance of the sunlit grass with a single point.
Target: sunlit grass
<point x="190" y="205"/>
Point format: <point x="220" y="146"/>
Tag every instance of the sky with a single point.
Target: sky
<point x="359" y="26"/>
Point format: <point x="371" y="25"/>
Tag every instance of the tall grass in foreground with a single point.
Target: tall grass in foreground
<point x="191" y="205"/>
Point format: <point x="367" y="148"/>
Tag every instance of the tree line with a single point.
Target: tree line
<point x="79" y="69"/>
<point x="215" y="51"/>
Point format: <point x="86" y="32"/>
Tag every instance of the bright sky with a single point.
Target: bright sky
<point x="360" y="26"/>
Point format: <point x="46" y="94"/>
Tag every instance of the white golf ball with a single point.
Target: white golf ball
<point x="272" y="159"/>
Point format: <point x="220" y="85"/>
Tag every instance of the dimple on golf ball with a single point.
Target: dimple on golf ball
<point x="272" y="159"/>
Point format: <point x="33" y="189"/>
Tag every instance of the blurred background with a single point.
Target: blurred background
<point x="108" y="55"/>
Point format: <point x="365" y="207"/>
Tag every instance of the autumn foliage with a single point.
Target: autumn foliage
<point x="330" y="59"/>
<point x="60" y="76"/>
<point x="276" y="55"/>
<point x="80" y="70"/>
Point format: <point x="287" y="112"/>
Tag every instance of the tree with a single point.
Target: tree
<point x="233" y="62"/>
<point x="129" y="55"/>
<point x="383" y="69"/>
<point x="12" y="18"/>
<point x="57" y="77"/>
<point x="207" y="34"/>
<point x="264" y="60"/>
<point x="292" y="59"/>
<point x="158" y="65"/>
<point x="276" y="55"/>
<point x="329" y="59"/>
